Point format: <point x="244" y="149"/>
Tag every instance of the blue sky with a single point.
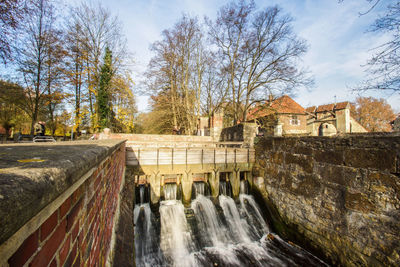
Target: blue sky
<point x="336" y="35"/>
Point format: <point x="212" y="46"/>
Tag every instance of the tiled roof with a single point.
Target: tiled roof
<point x="396" y="119"/>
<point x="323" y="108"/>
<point x="284" y="104"/>
<point x="331" y="107"/>
<point x="311" y="109"/>
<point x="342" y="105"/>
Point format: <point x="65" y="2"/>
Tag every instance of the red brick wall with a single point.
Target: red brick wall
<point x="79" y="232"/>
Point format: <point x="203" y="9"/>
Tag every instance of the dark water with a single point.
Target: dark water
<point x="226" y="234"/>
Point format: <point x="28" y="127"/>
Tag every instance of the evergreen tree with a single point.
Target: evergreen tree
<point x="103" y="94"/>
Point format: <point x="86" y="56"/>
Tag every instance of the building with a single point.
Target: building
<point x="284" y="116"/>
<point x="211" y="126"/>
<point x="330" y="119"/>
<point x="396" y="124"/>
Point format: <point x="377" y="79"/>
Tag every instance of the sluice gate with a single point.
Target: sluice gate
<point x="155" y="166"/>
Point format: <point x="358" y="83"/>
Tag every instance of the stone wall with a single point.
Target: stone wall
<point x="74" y="193"/>
<point x="342" y="194"/>
<point x="244" y="132"/>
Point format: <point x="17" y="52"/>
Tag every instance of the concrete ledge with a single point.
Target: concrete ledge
<point x="33" y="175"/>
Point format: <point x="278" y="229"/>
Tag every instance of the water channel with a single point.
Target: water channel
<point x="225" y="233"/>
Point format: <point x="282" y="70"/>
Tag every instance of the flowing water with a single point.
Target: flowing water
<point x="208" y="234"/>
<point x="170" y="191"/>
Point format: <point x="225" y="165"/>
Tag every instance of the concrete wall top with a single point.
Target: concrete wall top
<point x="156" y="138"/>
<point x="33" y="175"/>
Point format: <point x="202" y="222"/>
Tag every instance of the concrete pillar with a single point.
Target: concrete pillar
<point x="249" y="132"/>
<point x="187" y="182"/>
<point x="213" y="181"/>
<point x="278" y="129"/>
<point x="155" y="185"/>
<point x="249" y="178"/>
<point x="234" y="178"/>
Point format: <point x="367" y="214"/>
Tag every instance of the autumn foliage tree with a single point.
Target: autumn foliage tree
<point x="12" y="104"/>
<point x="61" y="64"/>
<point x="373" y="114"/>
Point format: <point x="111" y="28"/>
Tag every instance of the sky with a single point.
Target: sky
<point x="337" y="36"/>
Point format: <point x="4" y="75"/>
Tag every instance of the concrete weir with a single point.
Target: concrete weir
<point x="184" y="160"/>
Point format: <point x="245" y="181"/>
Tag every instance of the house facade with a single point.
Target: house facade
<point x="396" y="124"/>
<point x="284" y="116"/>
<point x="332" y="119"/>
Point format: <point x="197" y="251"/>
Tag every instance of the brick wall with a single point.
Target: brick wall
<point x="79" y="231"/>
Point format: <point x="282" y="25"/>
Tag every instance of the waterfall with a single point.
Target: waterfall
<point x="212" y="231"/>
<point x="147" y="247"/>
<point x="253" y="216"/>
<point x="211" y="234"/>
<point x="142" y="194"/>
<point x="225" y="188"/>
<point x="199" y="188"/>
<point x="244" y="187"/>
<point x="176" y="240"/>
<point x="234" y="220"/>
<point x="170" y="191"/>
<point x="141" y="188"/>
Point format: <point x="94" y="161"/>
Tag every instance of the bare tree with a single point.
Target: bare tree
<point x="214" y="93"/>
<point x="176" y="71"/>
<point x="383" y="68"/>
<point x="259" y="53"/>
<point x="12" y="13"/>
<point x="76" y="68"/>
<point x="228" y="33"/>
<point x="34" y="52"/>
<point x="54" y="77"/>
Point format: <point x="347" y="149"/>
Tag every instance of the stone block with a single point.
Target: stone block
<point x="304" y="150"/>
<point x="358" y="202"/>
<point x="277" y="158"/>
<point x="378" y="159"/>
<point x="309" y="186"/>
<point x="329" y="156"/>
<point x="304" y="162"/>
<point x="384" y="179"/>
<point x="331" y="173"/>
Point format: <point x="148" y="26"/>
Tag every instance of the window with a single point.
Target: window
<point x="294" y="120"/>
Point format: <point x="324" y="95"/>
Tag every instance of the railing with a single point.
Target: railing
<point x="187" y="156"/>
<point x="43" y="139"/>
